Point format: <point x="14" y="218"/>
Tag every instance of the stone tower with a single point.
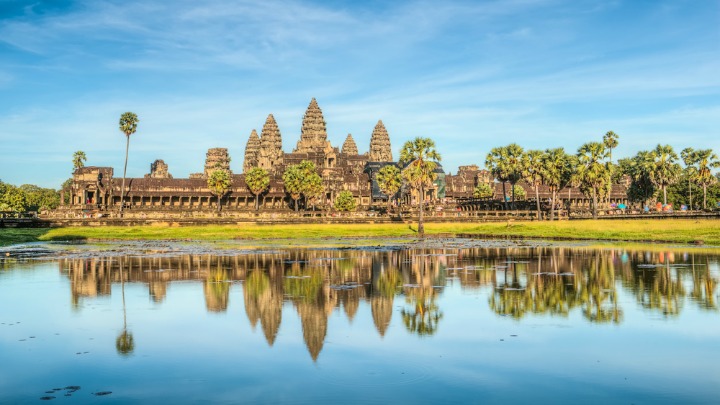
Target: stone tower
<point x="252" y="150"/>
<point x="216" y="158"/>
<point x="159" y="170"/>
<point x="313" y="137"/>
<point x="349" y="147"/>
<point x="380" y="150"/>
<point x="271" y="153"/>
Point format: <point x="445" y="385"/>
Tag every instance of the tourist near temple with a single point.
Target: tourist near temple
<point x="98" y="190"/>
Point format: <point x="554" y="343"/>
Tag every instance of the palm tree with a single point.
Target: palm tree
<point x="665" y="169"/>
<point x="532" y="173"/>
<point x="514" y="162"/>
<point x="639" y="168"/>
<point x="257" y="181"/>
<point x="420" y="159"/>
<point x="592" y="172"/>
<point x="556" y="166"/>
<point x="128" y="126"/>
<point x="293" y="180"/>
<point x="610" y="140"/>
<point x="389" y="180"/>
<point x="689" y="157"/>
<point x="706" y="160"/>
<point x="219" y="183"/>
<point x="496" y="163"/>
<point x="79" y="159"/>
<point x="483" y="190"/>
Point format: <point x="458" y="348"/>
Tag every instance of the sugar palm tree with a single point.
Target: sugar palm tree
<point x="665" y="170"/>
<point x="706" y="160"/>
<point x="293" y="180"/>
<point x="610" y="140"/>
<point x="556" y="166"/>
<point x="532" y="173"/>
<point x="257" y="180"/>
<point x="79" y="159"/>
<point x="420" y="159"/>
<point x="128" y="126"/>
<point x="219" y="183"/>
<point x="514" y="156"/>
<point x="593" y="172"/>
<point x="496" y="163"/>
<point x="389" y="180"/>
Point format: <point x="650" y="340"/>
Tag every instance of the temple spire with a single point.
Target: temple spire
<point x="313" y="136"/>
<point x="252" y="151"/>
<point x="271" y="153"/>
<point x="349" y="147"/>
<point x="380" y="150"/>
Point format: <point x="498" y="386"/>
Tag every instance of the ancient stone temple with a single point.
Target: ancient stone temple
<point x="252" y="149"/>
<point x="94" y="189"/>
<point x="380" y="150"/>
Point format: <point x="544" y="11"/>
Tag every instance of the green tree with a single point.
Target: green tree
<point x="496" y="163"/>
<point x="389" y="180"/>
<point x="689" y="157"/>
<point x="12" y="198"/>
<point x="345" y="201"/>
<point x="257" y="180"/>
<point x="293" y="181"/>
<point x="519" y="192"/>
<point x="313" y="189"/>
<point x="128" y="126"/>
<point x="420" y="159"/>
<point x="610" y="140"/>
<point x="664" y="169"/>
<point x="484" y="190"/>
<point x="39" y="198"/>
<point x="593" y="173"/>
<point x="532" y="172"/>
<point x="706" y="160"/>
<point x="79" y="159"/>
<point x="557" y="169"/>
<point x="638" y="168"/>
<point x="219" y="183"/>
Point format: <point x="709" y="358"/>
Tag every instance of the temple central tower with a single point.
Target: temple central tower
<point x="313" y="137"/>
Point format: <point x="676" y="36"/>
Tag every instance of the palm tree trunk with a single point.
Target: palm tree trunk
<point x="704" y="196"/>
<point x="512" y="187"/>
<point x="552" y="206"/>
<point x="537" y="201"/>
<point x="122" y="190"/>
<point x="218" y="202"/>
<point x="594" y="204"/>
<point x="664" y="195"/>
<point x="690" y="192"/>
<point x="296" y="203"/>
<point x="504" y="196"/>
<point x="421" y="226"/>
<point x="257" y="202"/>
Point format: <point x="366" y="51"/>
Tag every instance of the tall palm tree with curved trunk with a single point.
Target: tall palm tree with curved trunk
<point x="514" y="154"/>
<point x="706" y="160"/>
<point x="420" y="159"/>
<point x="128" y="126"/>
<point x="257" y="180"/>
<point x="664" y="170"/>
<point x="593" y="172"/>
<point x="496" y="163"/>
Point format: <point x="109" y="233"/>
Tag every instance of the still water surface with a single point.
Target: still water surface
<point x="453" y="322"/>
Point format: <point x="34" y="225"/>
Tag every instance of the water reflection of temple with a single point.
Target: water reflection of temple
<point x="316" y="283"/>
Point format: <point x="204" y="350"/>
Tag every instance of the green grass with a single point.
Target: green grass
<point x="659" y="230"/>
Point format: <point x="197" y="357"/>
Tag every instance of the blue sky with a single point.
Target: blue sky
<point x="472" y="75"/>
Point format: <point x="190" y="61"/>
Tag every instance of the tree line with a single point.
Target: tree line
<point x="655" y="174"/>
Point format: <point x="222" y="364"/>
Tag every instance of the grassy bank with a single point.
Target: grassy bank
<point x="706" y="232"/>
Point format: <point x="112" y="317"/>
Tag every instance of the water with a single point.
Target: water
<point x="452" y="321"/>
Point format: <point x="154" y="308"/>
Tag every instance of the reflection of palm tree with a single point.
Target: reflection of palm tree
<point x="424" y="315"/>
<point x="125" y="344"/>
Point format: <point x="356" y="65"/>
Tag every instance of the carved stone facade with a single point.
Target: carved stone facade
<point x="313" y="136"/>
<point x="271" y="153"/>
